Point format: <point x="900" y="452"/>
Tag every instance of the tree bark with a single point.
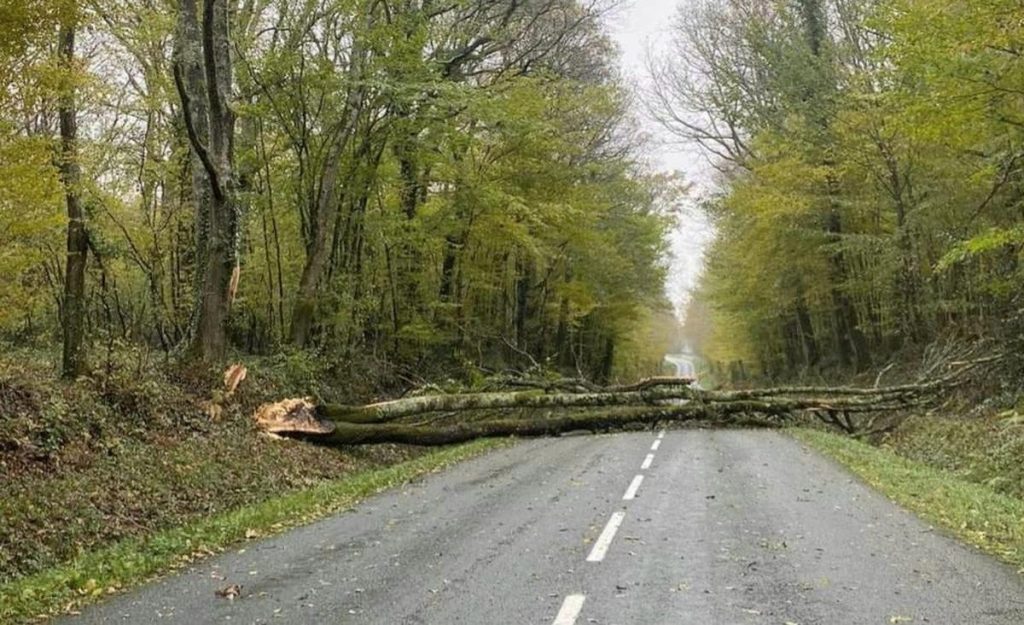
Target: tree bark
<point x="77" y="237"/>
<point x="203" y="77"/>
<point x="327" y="202"/>
<point x="600" y="420"/>
<point x="383" y="412"/>
<point x="644" y="403"/>
<point x="298" y="421"/>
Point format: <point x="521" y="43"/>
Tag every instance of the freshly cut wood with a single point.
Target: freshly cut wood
<point x="291" y="416"/>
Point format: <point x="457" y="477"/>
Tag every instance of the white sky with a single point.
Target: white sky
<point x="639" y="26"/>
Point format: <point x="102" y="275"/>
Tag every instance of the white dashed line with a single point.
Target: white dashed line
<point x="570" y="611"/>
<point x="605" y="539"/>
<point x="656" y="445"/>
<point x="661" y="434"/>
<point x="647" y="462"/>
<point x="633" y="487"/>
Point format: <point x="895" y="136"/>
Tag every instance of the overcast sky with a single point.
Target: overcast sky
<point x="639" y="26"/>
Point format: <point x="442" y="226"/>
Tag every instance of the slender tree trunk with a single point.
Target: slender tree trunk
<point x="327" y="201"/>
<point x="77" y="236"/>
<point x="451" y="247"/>
<point x="607" y="365"/>
<point x="853" y="344"/>
<point x="806" y="329"/>
<point x="322" y="222"/>
<point x="523" y="281"/>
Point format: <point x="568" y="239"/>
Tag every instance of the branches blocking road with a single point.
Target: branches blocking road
<point x="556" y="408"/>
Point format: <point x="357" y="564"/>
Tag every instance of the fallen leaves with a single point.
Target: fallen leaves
<point x="230" y="593"/>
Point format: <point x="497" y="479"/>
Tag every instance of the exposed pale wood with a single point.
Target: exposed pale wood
<point x="292" y="416"/>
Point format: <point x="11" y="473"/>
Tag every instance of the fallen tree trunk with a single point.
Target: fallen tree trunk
<point x="301" y="418"/>
<point x="586" y="407"/>
<point x="388" y="411"/>
<point x="647" y="392"/>
<point x="345" y="433"/>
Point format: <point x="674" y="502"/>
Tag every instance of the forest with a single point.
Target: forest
<point x="453" y="185"/>
<point x="462" y="185"/>
<point x="869" y="174"/>
<point x="257" y="256"/>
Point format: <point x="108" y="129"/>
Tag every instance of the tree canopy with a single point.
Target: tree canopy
<point x="869" y="159"/>
<point x="411" y="181"/>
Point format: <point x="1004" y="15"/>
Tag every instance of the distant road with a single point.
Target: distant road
<point x="684" y="364"/>
<point x="697" y="528"/>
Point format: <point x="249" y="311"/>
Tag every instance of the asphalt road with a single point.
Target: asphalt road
<point x="724" y="528"/>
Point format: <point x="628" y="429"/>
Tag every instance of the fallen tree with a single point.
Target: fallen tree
<point x="552" y="407"/>
<point x="649" y="392"/>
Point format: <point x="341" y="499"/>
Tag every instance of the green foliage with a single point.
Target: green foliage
<point x="431" y="187"/>
<point x="874" y="183"/>
<point x="993" y="240"/>
<point x="31" y="225"/>
<point x="985" y="450"/>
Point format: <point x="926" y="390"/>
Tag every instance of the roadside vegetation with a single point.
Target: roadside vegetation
<point x="985" y="450"/>
<point x="870" y="179"/>
<point x="101" y="568"/>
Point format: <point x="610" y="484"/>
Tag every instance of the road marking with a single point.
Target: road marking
<point x="605" y="539"/>
<point x="656" y="445"/>
<point x="647" y="462"/>
<point x="661" y="434"/>
<point x="570" y="611"/>
<point x="633" y="487"/>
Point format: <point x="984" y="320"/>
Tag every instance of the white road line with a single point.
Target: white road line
<point x="661" y="434"/>
<point x="656" y="445"/>
<point x="633" y="487"/>
<point x="570" y="611"/>
<point x="605" y="539"/>
<point x="647" y="462"/>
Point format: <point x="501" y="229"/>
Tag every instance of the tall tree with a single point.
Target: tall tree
<point x="203" y="75"/>
<point x="74" y="304"/>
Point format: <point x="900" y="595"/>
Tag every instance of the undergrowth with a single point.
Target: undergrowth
<point x="130" y="449"/>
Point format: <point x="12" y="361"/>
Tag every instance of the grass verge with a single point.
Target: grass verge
<point x="972" y="512"/>
<point x="128" y="563"/>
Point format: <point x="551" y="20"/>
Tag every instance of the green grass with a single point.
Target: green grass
<point x="111" y="569"/>
<point x="987" y="450"/>
<point x="973" y="512"/>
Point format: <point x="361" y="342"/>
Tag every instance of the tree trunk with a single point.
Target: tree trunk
<point x="203" y="76"/>
<point x="345" y="433"/>
<point x="411" y="406"/>
<point x="326" y="204"/>
<point x="650" y="401"/>
<point x="327" y="201"/>
<point x="806" y="331"/>
<point x="77" y="236"/>
<point x="524" y="280"/>
<point x="853" y="345"/>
